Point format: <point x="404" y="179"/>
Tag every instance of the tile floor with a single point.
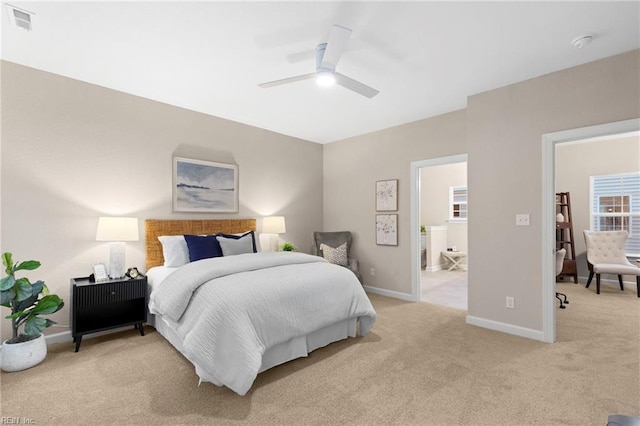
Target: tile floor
<point x="446" y="288"/>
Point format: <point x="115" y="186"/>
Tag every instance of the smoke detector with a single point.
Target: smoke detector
<point x="582" y="41"/>
<point x="20" y="18"/>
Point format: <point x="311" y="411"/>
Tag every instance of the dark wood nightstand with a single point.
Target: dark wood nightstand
<point x="107" y="304"/>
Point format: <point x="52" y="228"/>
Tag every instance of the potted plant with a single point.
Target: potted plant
<point x="287" y="247"/>
<point x="27" y="302"/>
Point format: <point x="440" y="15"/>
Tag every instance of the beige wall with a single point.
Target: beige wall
<point x="501" y="131"/>
<point x="435" y="182"/>
<point x="576" y="163"/>
<point x="72" y="152"/>
<point x="351" y="168"/>
<point x="505" y="127"/>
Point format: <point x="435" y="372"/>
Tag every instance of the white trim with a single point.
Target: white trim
<point x="63" y="336"/>
<point x="630" y="214"/>
<point x="434" y="268"/>
<point x="628" y="285"/>
<point x="389" y="293"/>
<point x="436" y="228"/>
<point x="506" y="328"/>
<point x="415" y="216"/>
<point x="549" y="142"/>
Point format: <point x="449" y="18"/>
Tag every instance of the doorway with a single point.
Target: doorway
<point x="549" y="143"/>
<point x="438" y="218"/>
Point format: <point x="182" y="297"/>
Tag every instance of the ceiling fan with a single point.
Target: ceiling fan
<point x="327" y="56"/>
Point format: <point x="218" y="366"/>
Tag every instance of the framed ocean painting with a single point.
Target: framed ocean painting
<point x="204" y="186"/>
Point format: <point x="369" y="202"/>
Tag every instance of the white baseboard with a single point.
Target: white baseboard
<point x="389" y="293"/>
<point x="628" y="285"/>
<point x="506" y="328"/>
<point x="434" y="268"/>
<point x="65" y="336"/>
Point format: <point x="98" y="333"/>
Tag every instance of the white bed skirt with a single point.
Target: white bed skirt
<point x="283" y="352"/>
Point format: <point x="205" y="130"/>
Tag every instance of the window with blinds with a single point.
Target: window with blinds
<point x="458" y="203"/>
<point x="615" y="205"/>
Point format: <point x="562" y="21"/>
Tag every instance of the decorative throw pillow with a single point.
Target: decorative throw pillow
<point x="253" y="236"/>
<point x="237" y="244"/>
<point x="202" y="247"/>
<point x="174" y="250"/>
<point x="336" y="255"/>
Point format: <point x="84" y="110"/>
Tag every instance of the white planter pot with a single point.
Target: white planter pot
<point x="20" y="356"/>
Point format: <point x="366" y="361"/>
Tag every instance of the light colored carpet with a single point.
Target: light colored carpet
<point x="421" y="364"/>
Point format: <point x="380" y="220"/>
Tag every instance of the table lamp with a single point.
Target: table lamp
<point x="117" y="230"/>
<point x="273" y="225"/>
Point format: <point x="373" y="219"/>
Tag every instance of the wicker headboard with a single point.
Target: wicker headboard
<point x="157" y="227"/>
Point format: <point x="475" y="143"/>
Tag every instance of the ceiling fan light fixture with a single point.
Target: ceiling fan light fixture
<point x="325" y="78"/>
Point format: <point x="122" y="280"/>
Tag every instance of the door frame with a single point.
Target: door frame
<point x="415" y="214"/>
<point x="549" y="142"/>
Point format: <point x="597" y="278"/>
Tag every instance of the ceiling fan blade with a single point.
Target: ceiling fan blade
<point x="287" y="80"/>
<point x="356" y="86"/>
<point x="338" y="38"/>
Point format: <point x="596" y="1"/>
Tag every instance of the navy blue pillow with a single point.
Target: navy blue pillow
<point x="202" y="247"/>
<point x="237" y="237"/>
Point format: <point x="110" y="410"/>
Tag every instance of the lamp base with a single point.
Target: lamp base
<point x="269" y="242"/>
<point x="116" y="260"/>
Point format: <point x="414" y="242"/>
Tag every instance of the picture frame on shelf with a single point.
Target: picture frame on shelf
<point x="100" y="272"/>
<point x="204" y="186"/>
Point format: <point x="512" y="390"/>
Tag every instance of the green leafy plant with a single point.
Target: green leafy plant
<point x="287" y="247"/>
<point x="27" y="301"/>
<point x="423" y="229"/>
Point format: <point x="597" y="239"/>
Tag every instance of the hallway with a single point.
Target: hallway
<point x="446" y="288"/>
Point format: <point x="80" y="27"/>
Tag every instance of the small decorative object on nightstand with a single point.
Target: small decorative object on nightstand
<point x="106" y="305"/>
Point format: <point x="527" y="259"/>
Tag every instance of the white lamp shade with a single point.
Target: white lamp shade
<point x="273" y="225"/>
<point x="117" y="229"/>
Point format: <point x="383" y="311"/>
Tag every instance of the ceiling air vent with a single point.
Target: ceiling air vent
<point x="20" y="17"/>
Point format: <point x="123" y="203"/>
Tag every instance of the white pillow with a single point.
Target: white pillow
<point x="174" y="250"/>
<point x="336" y="255"/>
<point x="231" y="246"/>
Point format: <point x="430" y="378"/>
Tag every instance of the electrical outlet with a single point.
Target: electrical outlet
<point x="522" y="219"/>
<point x="511" y="302"/>
<point x="372" y="272"/>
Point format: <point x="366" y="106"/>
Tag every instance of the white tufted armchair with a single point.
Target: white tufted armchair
<point x="605" y="255"/>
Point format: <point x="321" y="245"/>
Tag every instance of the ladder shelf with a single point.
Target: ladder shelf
<point x="564" y="236"/>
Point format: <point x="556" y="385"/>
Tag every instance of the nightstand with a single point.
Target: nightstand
<point x="107" y="304"/>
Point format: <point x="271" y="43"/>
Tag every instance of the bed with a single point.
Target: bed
<point x="239" y="314"/>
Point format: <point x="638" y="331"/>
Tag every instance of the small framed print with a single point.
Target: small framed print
<point x="387" y="195"/>
<point x="100" y="272"/>
<point x="387" y="229"/>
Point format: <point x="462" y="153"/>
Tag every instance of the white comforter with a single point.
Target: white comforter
<point x="229" y="310"/>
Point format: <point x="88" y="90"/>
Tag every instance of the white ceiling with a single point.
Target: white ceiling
<point x="424" y="57"/>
